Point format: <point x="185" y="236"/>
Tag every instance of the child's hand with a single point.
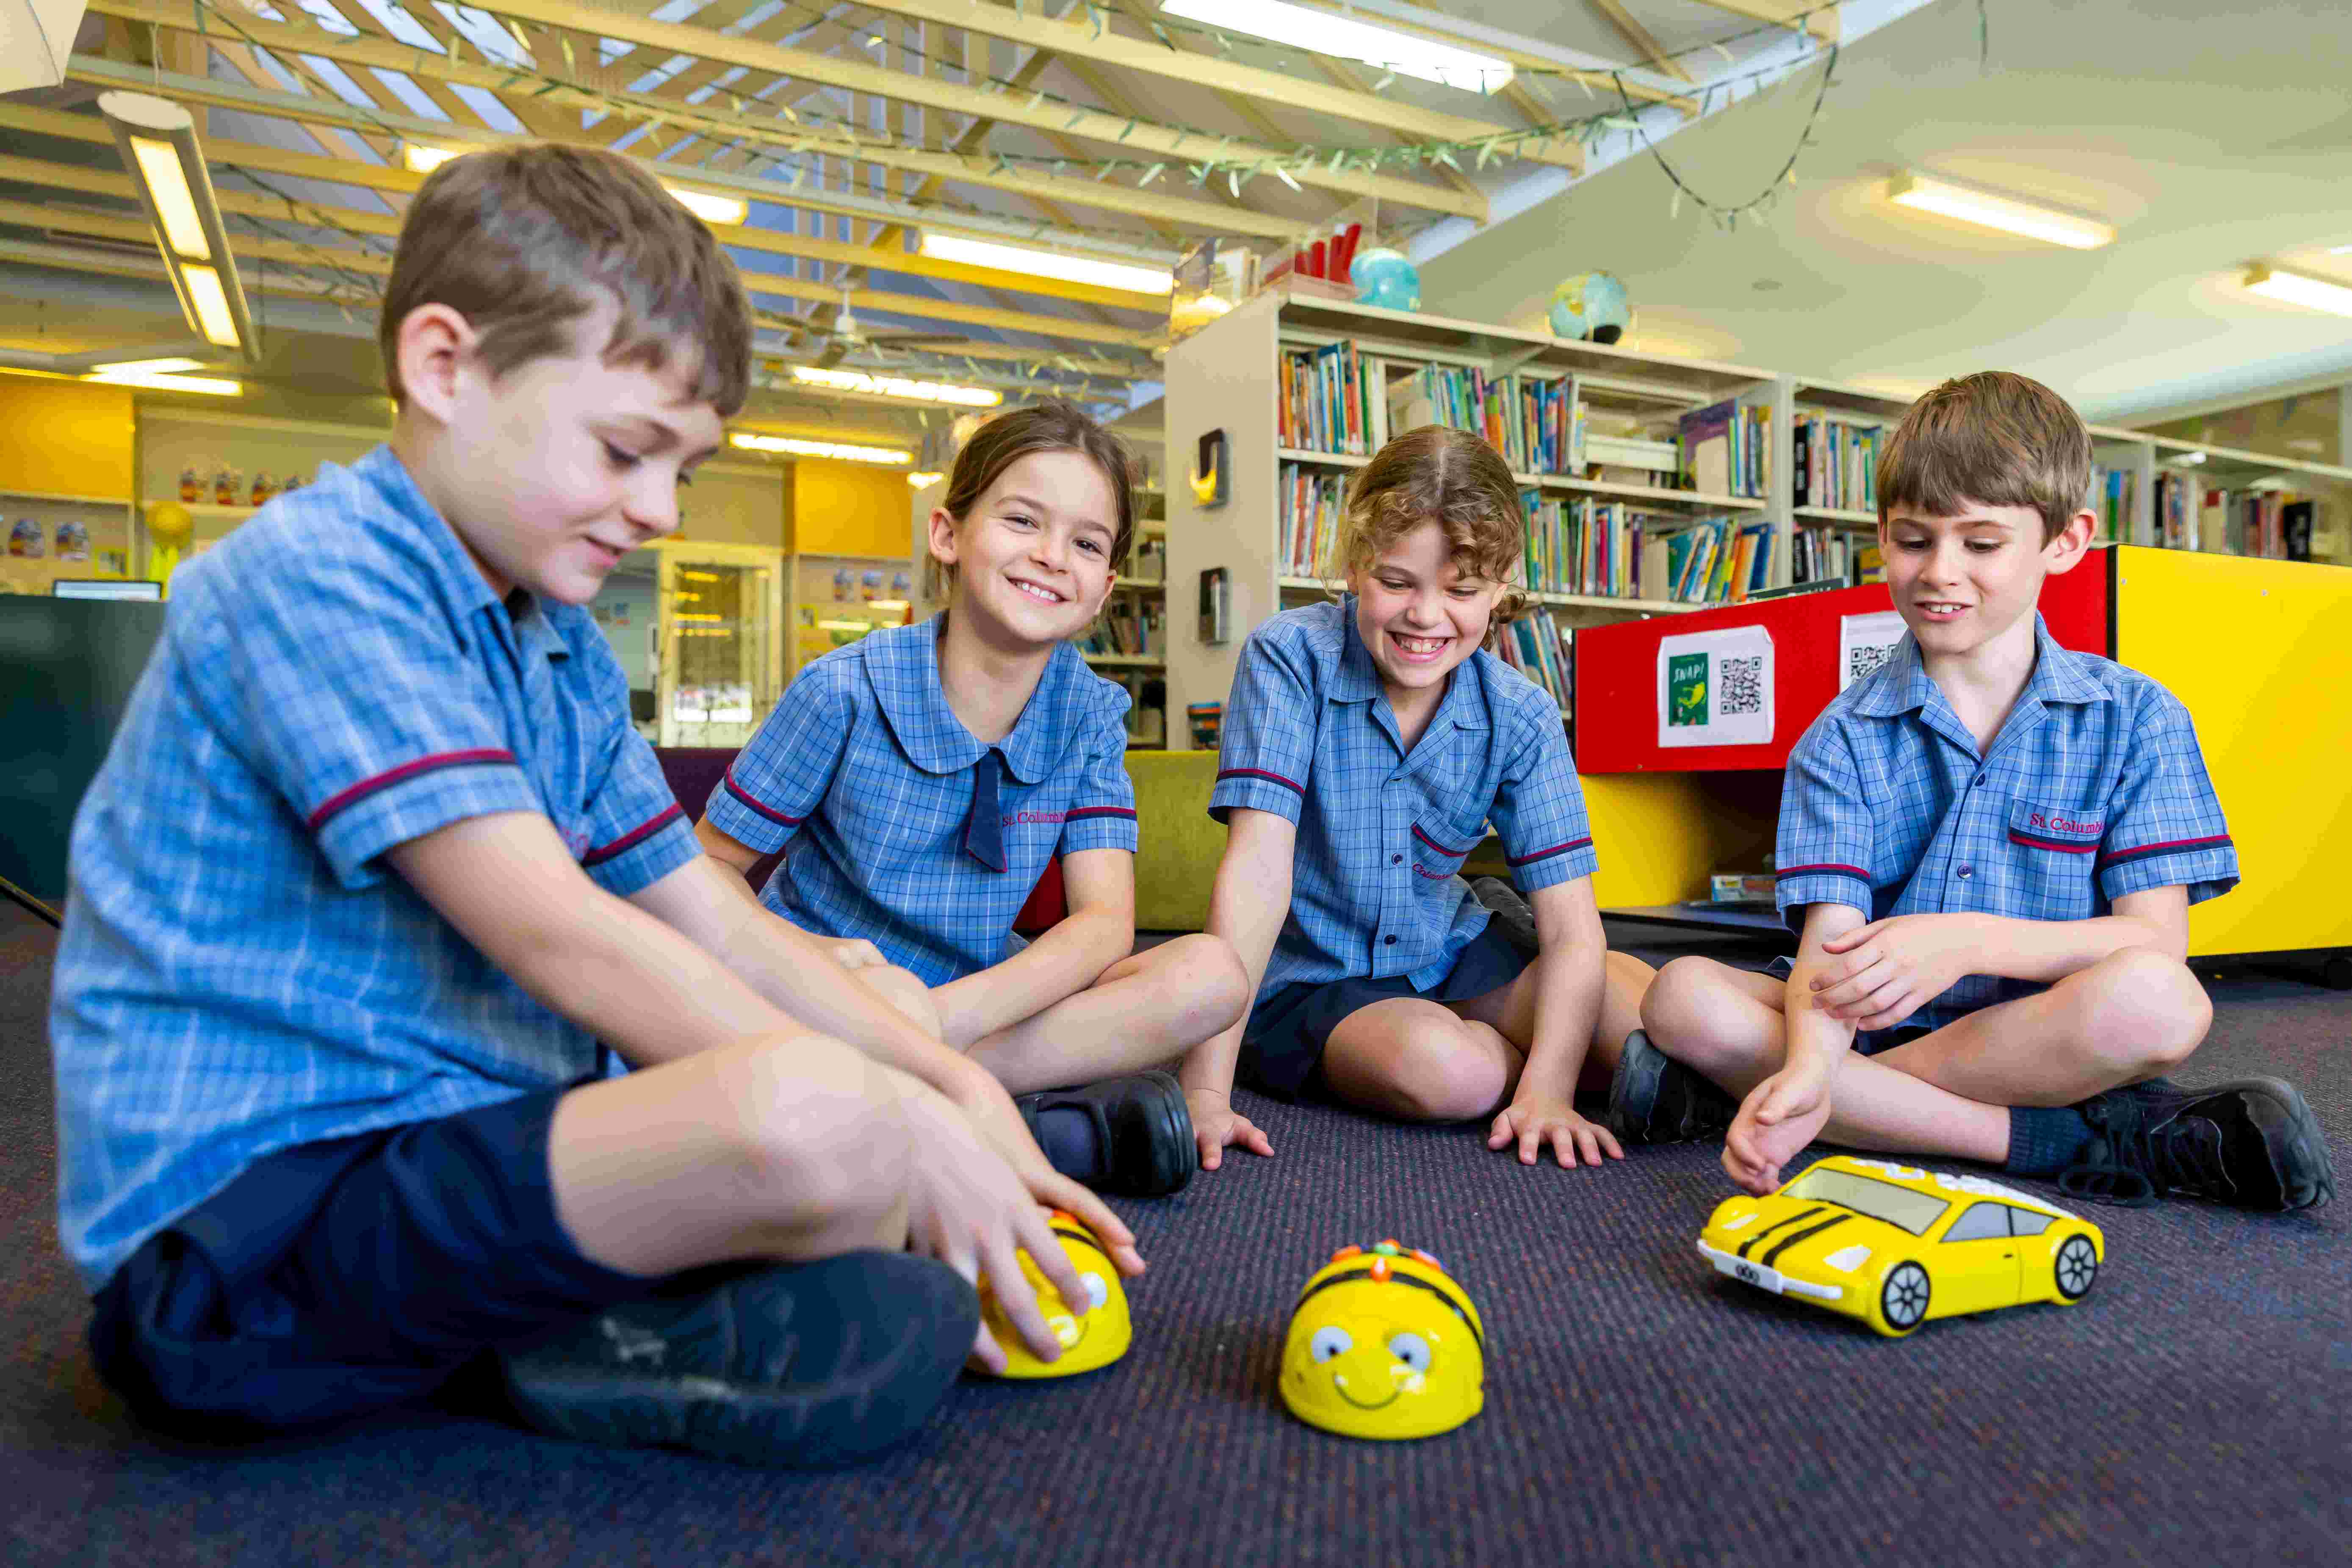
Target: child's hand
<point x="1778" y="1119"/>
<point x="966" y="1207"/>
<point x="1889" y="969"/>
<point x="993" y="1115"/>
<point x="1216" y="1124"/>
<point x="1532" y="1120"/>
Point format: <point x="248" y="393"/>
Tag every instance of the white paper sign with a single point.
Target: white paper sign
<point x="1714" y="688"/>
<point x="1865" y="642"/>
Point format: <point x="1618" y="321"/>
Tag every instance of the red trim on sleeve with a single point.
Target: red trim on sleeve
<point x="634" y="837"/>
<point x="1262" y="774"/>
<point x="1855" y="871"/>
<point x="738" y="792"/>
<point x="1454" y="854"/>
<point x="1545" y="854"/>
<point x="337" y="804"/>
<point x="1084" y="811"/>
<point x="2171" y="847"/>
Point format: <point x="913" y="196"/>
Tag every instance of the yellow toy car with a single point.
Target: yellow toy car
<point x="1383" y="1343"/>
<point x="1895" y="1245"/>
<point x="1093" y="1334"/>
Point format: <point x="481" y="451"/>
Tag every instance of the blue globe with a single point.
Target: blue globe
<point x="1384" y="278"/>
<point x="1590" y="305"/>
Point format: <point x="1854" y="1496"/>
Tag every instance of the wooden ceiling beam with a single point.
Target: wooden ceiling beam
<point x="1821" y="22"/>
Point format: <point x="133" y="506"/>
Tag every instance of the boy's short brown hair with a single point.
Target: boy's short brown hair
<point x="1051" y="426"/>
<point x="1995" y="439"/>
<point x="1453" y="478"/>
<point x="519" y="240"/>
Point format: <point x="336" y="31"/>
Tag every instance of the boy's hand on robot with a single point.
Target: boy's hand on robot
<point x="1216" y="1126"/>
<point x="1534" y="1120"/>
<point x="997" y="1120"/>
<point x="1889" y="969"/>
<point x="1779" y="1116"/>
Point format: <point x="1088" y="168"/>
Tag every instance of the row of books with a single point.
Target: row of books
<point x="1539" y="647"/>
<point x="1536" y="423"/>
<point x="1719" y="561"/>
<point x="1822" y="555"/>
<point x="1595" y="548"/>
<point x="1327" y="401"/>
<point x="1727" y="448"/>
<point x="2275" y="524"/>
<point x="1836" y="463"/>
<point x="2113" y="493"/>
<point x="1137" y="627"/>
<point x="1308" y="503"/>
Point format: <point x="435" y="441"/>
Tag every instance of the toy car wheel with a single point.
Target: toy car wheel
<point x="1903" y="1300"/>
<point x="2078" y="1268"/>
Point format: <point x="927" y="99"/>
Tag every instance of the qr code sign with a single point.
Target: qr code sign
<point x="1863" y="658"/>
<point x="1743" y="685"/>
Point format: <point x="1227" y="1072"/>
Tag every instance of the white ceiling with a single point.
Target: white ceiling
<point x="2210" y="138"/>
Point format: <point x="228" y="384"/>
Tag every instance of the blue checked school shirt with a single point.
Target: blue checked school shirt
<point x="870" y="778"/>
<point x="2093" y="788"/>
<point x="239" y="971"/>
<point x="1309" y="735"/>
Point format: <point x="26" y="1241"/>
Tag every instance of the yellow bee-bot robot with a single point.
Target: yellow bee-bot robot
<point x="1383" y="1343"/>
<point x="1093" y="1332"/>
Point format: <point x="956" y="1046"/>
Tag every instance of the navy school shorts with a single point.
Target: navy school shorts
<point x="348" y="1276"/>
<point x="1282" y="1048"/>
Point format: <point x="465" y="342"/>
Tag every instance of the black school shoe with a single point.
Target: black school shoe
<point x="798" y="1366"/>
<point x="1135" y="1137"/>
<point x="1654" y="1098"/>
<point x="1512" y="919"/>
<point x="2252" y="1144"/>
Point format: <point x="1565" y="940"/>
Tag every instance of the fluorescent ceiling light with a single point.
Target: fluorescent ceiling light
<point x="710" y="209"/>
<point x="2006" y="214"/>
<point x="159" y="166"/>
<point x="2297" y="290"/>
<point x="422" y="159"/>
<point x="753" y="442"/>
<point x="211" y="385"/>
<point x="1406" y="54"/>
<point x="2187" y="460"/>
<point x="897" y="386"/>
<point x="920" y="478"/>
<point x="210" y="302"/>
<point x="1047" y="264"/>
<point x="146" y="366"/>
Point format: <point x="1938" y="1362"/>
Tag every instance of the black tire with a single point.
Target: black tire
<point x="1903" y="1300"/>
<point x="2076" y="1268"/>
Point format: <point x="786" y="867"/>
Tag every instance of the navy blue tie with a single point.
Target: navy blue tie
<point x="983" y="830"/>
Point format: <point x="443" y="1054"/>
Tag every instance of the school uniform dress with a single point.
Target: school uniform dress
<point x="2093" y="788"/>
<point x="1377" y="908"/>
<point x="904" y="830"/>
<point x="267" y="1045"/>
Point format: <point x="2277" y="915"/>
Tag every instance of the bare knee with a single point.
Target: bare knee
<point x="905" y="990"/>
<point x="1446" y="1069"/>
<point x="1688" y="1012"/>
<point x="2142" y="1011"/>
<point x="1206" y="986"/>
<point x="822" y="1153"/>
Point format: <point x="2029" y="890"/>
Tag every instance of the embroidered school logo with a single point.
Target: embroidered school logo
<point x="575" y="839"/>
<point x="1018" y="818"/>
<point x="1686" y="689"/>
<point x="2062" y="824"/>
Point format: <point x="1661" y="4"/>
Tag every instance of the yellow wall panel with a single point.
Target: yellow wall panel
<point x="2261" y="651"/>
<point x="68" y="438"/>
<point x="849" y="509"/>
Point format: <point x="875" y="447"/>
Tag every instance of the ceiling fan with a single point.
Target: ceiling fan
<point x="847" y="335"/>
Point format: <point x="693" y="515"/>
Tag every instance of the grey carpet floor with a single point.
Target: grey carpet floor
<point x="2195" y="1409"/>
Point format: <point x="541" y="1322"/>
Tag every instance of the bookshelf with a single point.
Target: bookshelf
<point x="1555" y="409"/>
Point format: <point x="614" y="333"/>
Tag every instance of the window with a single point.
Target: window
<point x="1916" y="1212"/>
<point x="2026" y="1222"/>
<point x="1982" y="1223"/>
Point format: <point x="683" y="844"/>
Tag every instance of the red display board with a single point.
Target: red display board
<point x="1617" y="669"/>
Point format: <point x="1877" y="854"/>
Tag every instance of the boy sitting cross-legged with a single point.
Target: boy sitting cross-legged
<point x="377" y="861"/>
<point x="1989" y="845"/>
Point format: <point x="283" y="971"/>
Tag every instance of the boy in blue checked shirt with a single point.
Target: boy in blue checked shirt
<point x="376" y="862"/>
<point x="925" y="775"/>
<point x="1367" y="743"/>
<point x="1990" y="845"/>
